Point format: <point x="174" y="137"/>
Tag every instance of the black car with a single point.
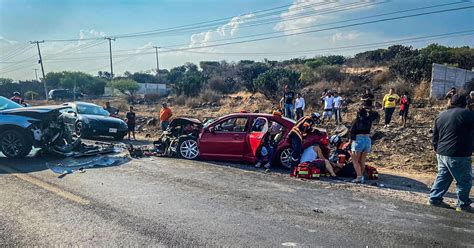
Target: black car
<point x="63" y="94"/>
<point x="23" y="128"/>
<point x="88" y="120"/>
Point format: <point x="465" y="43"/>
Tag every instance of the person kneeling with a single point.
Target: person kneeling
<point x="315" y="155"/>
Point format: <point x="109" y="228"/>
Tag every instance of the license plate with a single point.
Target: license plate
<point x="112" y="130"/>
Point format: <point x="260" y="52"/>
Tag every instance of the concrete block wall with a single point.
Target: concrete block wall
<point x="443" y="78"/>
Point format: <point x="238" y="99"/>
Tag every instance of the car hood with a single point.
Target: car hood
<point x="33" y="112"/>
<point x="101" y="118"/>
<point x="181" y="121"/>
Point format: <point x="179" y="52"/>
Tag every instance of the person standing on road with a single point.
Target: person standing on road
<point x="288" y="102"/>
<point x="337" y="107"/>
<point x="389" y="104"/>
<point x="361" y="144"/>
<point x="299" y="106"/>
<point x="165" y="115"/>
<point x="112" y="111"/>
<point x="404" y="106"/>
<point x="452" y="141"/>
<point x="328" y="106"/>
<point x="130" y="120"/>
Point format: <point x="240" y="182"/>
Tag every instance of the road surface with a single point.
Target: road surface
<point x="171" y="202"/>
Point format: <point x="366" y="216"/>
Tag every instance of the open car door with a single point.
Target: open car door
<point x="257" y="134"/>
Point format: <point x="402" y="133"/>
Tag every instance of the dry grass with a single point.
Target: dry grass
<point x="422" y="91"/>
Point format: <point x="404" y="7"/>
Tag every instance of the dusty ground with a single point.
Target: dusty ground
<point x="180" y="203"/>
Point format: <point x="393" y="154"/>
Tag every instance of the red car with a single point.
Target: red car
<point x="231" y="138"/>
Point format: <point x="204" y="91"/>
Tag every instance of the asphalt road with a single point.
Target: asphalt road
<point x="171" y="202"/>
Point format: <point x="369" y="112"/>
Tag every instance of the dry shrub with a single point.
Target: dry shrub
<point x="153" y="97"/>
<point x="422" y="91"/>
<point x="381" y="78"/>
<point x="399" y="85"/>
<point x="211" y="96"/>
<point x="123" y="107"/>
<point x="179" y="100"/>
<point x="192" y="102"/>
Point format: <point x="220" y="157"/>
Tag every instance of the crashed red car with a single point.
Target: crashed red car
<point x="231" y="138"/>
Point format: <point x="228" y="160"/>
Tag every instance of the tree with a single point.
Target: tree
<point x="272" y="82"/>
<point x="248" y="72"/>
<point x="30" y="94"/>
<point x="4" y="81"/>
<point x="186" y="79"/>
<point x="125" y="86"/>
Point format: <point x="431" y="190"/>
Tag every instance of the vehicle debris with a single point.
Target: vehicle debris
<point x="71" y="165"/>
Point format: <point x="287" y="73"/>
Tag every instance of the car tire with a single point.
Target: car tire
<point x="284" y="157"/>
<point x="79" y="130"/>
<point x="15" y="144"/>
<point x="188" y="149"/>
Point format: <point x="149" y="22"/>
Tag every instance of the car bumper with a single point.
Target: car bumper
<point x="106" y="132"/>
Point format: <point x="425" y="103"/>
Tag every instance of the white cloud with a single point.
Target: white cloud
<point x="345" y="36"/>
<point x="227" y="30"/>
<point x="5" y="41"/>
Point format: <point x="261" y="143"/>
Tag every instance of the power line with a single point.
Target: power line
<point x="176" y="27"/>
<point x="256" y="22"/>
<point x="322" y="24"/>
<point x="326" y="29"/>
<point x="42" y="68"/>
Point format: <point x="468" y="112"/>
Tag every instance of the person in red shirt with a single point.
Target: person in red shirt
<point x="404" y="106"/>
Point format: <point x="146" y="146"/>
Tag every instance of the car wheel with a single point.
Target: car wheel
<point x="79" y="129"/>
<point x="188" y="149"/>
<point x="285" y="157"/>
<point x="15" y="144"/>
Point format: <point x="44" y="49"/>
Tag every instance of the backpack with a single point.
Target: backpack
<point x="308" y="170"/>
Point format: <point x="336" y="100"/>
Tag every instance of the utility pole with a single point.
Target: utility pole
<point x="110" y="52"/>
<point x="157" y="61"/>
<point x="42" y="67"/>
<point x="36" y="74"/>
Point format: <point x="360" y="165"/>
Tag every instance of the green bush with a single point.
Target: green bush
<point x="272" y="82"/>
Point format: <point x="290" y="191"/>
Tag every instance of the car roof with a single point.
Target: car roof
<point x="264" y="115"/>
<point x="81" y="103"/>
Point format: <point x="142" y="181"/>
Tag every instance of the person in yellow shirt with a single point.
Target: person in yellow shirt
<point x="165" y="115"/>
<point x="389" y="104"/>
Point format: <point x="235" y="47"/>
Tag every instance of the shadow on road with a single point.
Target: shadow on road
<point x="385" y="181"/>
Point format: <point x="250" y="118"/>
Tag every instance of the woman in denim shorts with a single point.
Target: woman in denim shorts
<point x="361" y="144"/>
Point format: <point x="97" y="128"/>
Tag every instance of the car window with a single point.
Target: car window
<point x="237" y="124"/>
<point x="91" y="110"/>
<point x="8" y="104"/>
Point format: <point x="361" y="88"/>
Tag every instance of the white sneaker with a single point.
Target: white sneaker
<point x="385" y="126"/>
<point x="267" y="165"/>
<point x="258" y="165"/>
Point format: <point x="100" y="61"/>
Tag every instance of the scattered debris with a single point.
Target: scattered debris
<point x="317" y="210"/>
<point x="70" y="165"/>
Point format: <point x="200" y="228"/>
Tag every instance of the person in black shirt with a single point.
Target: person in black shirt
<point x="452" y="141"/>
<point x="130" y="120"/>
<point x="288" y="102"/>
<point x="368" y="98"/>
<point x="361" y="144"/>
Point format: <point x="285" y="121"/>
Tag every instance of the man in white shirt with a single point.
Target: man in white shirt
<point x="337" y="107"/>
<point x="328" y="106"/>
<point x="299" y="106"/>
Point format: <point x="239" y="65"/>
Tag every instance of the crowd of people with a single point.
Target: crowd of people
<point x="453" y="137"/>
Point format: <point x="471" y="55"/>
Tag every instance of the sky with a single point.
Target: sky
<point x="74" y="31"/>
